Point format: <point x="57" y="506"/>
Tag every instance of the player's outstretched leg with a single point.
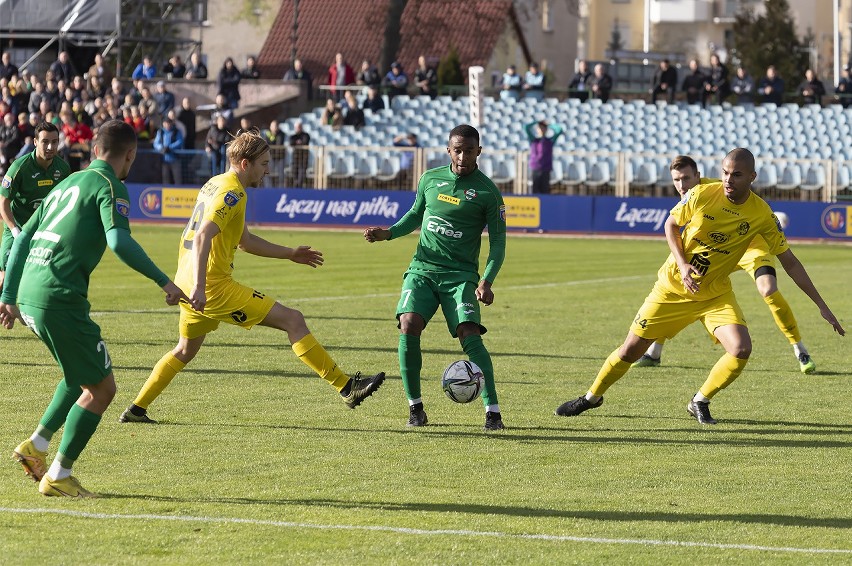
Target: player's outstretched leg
<point x="785" y="320"/>
<point x="611" y="371"/>
<point x="31" y="459"/>
<point x="726" y="370"/>
<point x="360" y="387"/>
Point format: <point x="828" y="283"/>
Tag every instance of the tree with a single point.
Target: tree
<point x="391" y="39"/>
<point x="770" y="39"/>
<point x="615" y="44"/>
<point x="449" y="69"/>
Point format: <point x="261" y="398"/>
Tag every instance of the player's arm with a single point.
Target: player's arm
<point x="6" y="213"/>
<point x="799" y="275"/>
<point x="130" y="252"/>
<point x="14" y="268"/>
<point x="409" y="222"/>
<point x="255" y="245"/>
<point x="673" y="239"/>
<point x="496" y="251"/>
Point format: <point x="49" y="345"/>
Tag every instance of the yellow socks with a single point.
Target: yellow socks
<point x="783" y="315"/>
<point x="613" y="369"/>
<point x="162" y="374"/>
<point x="726" y="370"/>
<point x="315" y="357"/>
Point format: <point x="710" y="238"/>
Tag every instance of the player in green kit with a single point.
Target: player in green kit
<point x="454" y="204"/>
<point x="46" y="287"/>
<point x="26" y="183"/>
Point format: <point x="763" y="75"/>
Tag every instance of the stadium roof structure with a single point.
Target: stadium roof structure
<point x="355" y="28"/>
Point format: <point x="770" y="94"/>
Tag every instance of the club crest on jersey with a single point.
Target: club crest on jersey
<point x="470" y="194"/>
<point x="123" y="207"/>
<point x="449" y="199"/>
<point x="7" y="181"/>
<point x="743" y="228"/>
<point x="231" y="198"/>
<point x="503" y="212"/>
<point x="57" y="174"/>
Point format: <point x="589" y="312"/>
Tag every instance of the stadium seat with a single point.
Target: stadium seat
<point x="814" y="178"/>
<point x="645" y="173"/>
<point x="791" y="178"/>
<point x="504" y="171"/>
<point x="340" y="165"/>
<point x="557" y="173"/>
<point x="600" y="173"/>
<point x="844" y="176"/>
<point x="575" y="173"/>
<point x="366" y="166"/>
<point x="389" y="168"/>
<point x="767" y="176"/>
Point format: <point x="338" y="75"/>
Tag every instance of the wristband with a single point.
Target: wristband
<point x="15" y="231"/>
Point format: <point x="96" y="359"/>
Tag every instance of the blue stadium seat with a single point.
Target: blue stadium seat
<point x="791" y="177"/>
<point x="814" y="178"/>
<point x="767" y="176"/>
<point x="844" y="176"/>
<point x="575" y="173"/>
<point x="600" y="173"/>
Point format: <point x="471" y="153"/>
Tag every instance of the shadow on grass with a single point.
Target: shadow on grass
<point x="514" y="511"/>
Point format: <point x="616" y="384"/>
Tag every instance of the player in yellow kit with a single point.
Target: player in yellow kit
<point x="708" y="232"/>
<point x="205" y="264"/>
<point x="757" y="261"/>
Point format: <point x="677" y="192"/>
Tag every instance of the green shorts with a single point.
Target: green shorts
<point x="5" y="247"/>
<point x="74" y="340"/>
<point x="456" y="297"/>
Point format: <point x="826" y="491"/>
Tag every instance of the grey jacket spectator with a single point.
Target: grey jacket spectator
<point x="196" y="68"/>
<point x="298" y="73"/>
<point x="743" y="86"/>
<point x="250" y="71"/>
<point x="368" y="75"/>
<point x="165" y="99"/>
<point x="426" y="78"/>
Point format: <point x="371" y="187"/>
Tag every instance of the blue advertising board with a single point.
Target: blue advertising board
<point x="538" y="213"/>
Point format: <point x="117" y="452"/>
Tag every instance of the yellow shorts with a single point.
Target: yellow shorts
<point x="755" y="258"/>
<point x="665" y="319"/>
<point x="228" y="302"/>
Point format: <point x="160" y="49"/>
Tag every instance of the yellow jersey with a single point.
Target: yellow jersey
<point x="222" y="200"/>
<point x="717" y="233"/>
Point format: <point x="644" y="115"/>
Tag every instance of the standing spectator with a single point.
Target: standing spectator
<point x="63" y="69"/>
<point x="578" y="87"/>
<point x="277" y="153"/>
<point x="217" y="138"/>
<point x="771" y="87"/>
<point x="426" y="78"/>
<point x="250" y="71"/>
<point x="299" y="142"/>
<point x="368" y="75"/>
<point x="174" y="68"/>
<point x="196" y="68"/>
<point x="229" y="83"/>
<point x="717" y="86"/>
<point x="10" y="140"/>
<point x="7" y="68"/>
<point x="541" y="153"/>
<point x="172" y="115"/>
<point x="693" y="83"/>
<point x="843" y="91"/>
<point x="100" y="70"/>
<point x="339" y="74"/>
<point x="36" y="96"/>
<point x="396" y="81"/>
<point x="811" y="89"/>
<point x="331" y="115"/>
<point x="601" y="83"/>
<point x="354" y="116"/>
<point x="167" y="142"/>
<point x="298" y="73"/>
<point x="510" y="86"/>
<point x="145" y="69"/>
<point x="664" y="82"/>
<point x="374" y="100"/>
<point x="165" y="99"/>
<point x="186" y="116"/>
<point x="534" y="80"/>
<point x="743" y="86"/>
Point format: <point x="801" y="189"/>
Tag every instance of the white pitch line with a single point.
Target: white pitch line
<point x="293" y="300"/>
<point x="425" y="532"/>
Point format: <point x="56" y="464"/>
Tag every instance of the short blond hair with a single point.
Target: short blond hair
<point x="246" y="145"/>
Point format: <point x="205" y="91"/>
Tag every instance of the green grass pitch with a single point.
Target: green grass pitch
<point x="256" y="460"/>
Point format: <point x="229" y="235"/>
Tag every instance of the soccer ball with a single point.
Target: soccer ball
<point x="462" y="381"/>
<point x="783" y="219"/>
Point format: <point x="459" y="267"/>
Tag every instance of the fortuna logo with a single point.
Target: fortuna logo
<point x="449" y="199"/>
<point x="439" y="185"/>
<point x="438" y="225"/>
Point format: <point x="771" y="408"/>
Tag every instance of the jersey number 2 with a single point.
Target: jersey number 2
<point x="192" y="225"/>
<point x="70" y="194"/>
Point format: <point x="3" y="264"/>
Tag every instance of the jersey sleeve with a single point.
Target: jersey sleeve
<point x="9" y="185"/>
<point x="225" y="205"/>
<point x="685" y="209"/>
<point x="412" y="219"/>
<point x="114" y="202"/>
<point x="774" y="236"/>
<point x="496" y="221"/>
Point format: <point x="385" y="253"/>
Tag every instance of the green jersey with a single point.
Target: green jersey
<point x="451" y="212"/>
<point x="69" y="237"/>
<point x="26" y="183"/>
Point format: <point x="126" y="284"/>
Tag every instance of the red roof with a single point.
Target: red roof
<point x="354" y="28"/>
